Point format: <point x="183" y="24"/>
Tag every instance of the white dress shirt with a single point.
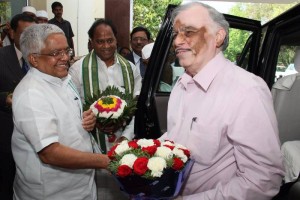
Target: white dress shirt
<point x="109" y="76"/>
<point x="46" y="110"/>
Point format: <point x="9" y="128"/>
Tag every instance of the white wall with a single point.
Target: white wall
<point x="81" y="14"/>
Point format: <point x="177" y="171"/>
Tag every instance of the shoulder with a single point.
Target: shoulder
<point x="243" y="78"/>
<point x="8" y="51"/>
<point x="121" y="58"/>
<point x="66" y="22"/>
<point x="52" y="21"/>
<point x="130" y="57"/>
<point x="76" y="66"/>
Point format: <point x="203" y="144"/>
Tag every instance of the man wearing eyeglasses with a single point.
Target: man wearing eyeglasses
<point x="223" y="114"/>
<point x="12" y="70"/>
<point x="139" y="37"/>
<point x="51" y="143"/>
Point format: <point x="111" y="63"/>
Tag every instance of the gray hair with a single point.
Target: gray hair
<point x="217" y="17"/>
<point x="33" y="38"/>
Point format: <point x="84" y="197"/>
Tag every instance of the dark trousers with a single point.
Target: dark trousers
<point x="7" y="175"/>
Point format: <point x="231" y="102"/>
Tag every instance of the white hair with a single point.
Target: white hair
<point x="217" y="17"/>
<point x="33" y="38"/>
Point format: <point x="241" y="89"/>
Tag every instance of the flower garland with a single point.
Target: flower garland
<point x="147" y="158"/>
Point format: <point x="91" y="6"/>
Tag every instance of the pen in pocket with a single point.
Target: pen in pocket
<point x="193" y="120"/>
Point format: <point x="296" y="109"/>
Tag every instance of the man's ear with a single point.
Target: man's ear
<point x="32" y="59"/>
<point x="11" y="34"/>
<point x="220" y="37"/>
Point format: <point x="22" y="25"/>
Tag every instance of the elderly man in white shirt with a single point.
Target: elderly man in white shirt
<point x="51" y="145"/>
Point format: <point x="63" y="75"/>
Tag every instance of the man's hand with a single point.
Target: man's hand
<point x="89" y="120"/>
<point x="120" y="139"/>
<point x="110" y="128"/>
<point x="9" y="100"/>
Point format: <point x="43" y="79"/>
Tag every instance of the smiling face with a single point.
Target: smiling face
<point x="197" y="39"/>
<point x="51" y="65"/>
<point x="138" y="41"/>
<point x="104" y="43"/>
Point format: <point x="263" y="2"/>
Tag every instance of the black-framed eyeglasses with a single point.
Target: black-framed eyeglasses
<point x="142" y="39"/>
<point x="58" y="54"/>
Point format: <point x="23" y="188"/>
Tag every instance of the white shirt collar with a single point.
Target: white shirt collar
<point x="19" y="53"/>
<point x="136" y="58"/>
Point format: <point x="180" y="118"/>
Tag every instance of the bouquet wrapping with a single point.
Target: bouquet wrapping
<point x="150" y="169"/>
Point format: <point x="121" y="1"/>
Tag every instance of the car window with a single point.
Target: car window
<point x="170" y="73"/>
<point x="285" y="62"/>
<point x="237" y="41"/>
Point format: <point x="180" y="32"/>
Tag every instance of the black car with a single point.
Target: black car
<point x="268" y="53"/>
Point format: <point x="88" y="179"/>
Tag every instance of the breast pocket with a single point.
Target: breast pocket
<point x="205" y="142"/>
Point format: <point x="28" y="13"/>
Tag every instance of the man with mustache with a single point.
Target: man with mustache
<point x="139" y="37"/>
<point x="65" y="25"/>
<point x="112" y="70"/>
<point x="222" y="113"/>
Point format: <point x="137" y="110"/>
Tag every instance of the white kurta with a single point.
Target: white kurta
<point x="46" y="110"/>
<point x="109" y="76"/>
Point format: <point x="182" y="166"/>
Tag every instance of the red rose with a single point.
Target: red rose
<point x="133" y="144"/>
<point x="186" y="152"/>
<point x="150" y="150"/>
<point x="170" y="141"/>
<point x="177" y="164"/>
<point x="157" y="142"/>
<point x="111" y="153"/>
<point x="140" y="166"/>
<point x="170" y="147"/>
<point x="123" y="170"/>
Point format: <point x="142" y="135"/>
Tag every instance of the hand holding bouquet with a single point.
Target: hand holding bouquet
<point x="113" y="109"/>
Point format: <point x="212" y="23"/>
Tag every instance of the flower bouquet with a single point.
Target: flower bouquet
<point x="112" y="109"/>
<point x="148" y="168"/>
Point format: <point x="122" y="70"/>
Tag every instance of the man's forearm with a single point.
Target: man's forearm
<point x="59" y="155"/>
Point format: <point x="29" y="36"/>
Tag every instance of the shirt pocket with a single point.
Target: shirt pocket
<point x="204" y="142"/>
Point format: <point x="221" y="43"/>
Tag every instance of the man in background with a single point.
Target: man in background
<point x="57" y="10"/>
<point x="12" y="69"/>
<point x="112" y="70"/>
<point x="42" y="17"/>
<point x="139" y="37"/>
<point x="30" y="11"/>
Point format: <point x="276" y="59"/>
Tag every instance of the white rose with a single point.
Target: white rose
<point x="179" y="146"/>
<point x="94" y="110"/>
<point x="156" y="165"/>
<point x="122" y="147"/>
<point x="145" y="142"/>
<point x="128" y="160"/>
<point x="179" y="153"/>
<point x="168" y="143"/>
<point x="164" y="152"/>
